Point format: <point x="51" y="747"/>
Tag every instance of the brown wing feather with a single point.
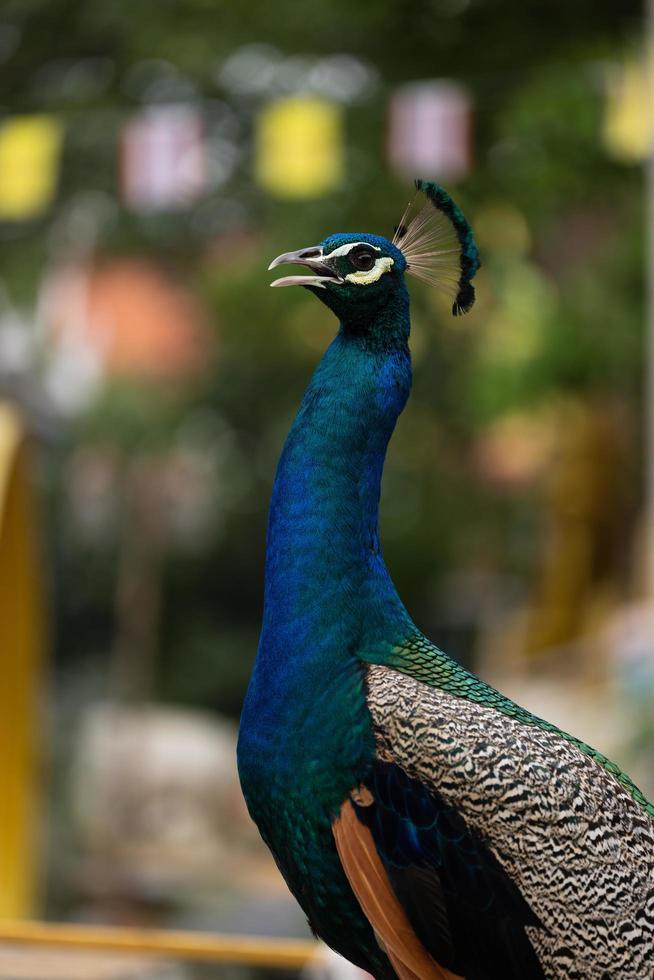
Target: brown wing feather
<point x="366" y="874"/>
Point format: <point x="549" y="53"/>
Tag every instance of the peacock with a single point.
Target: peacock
<point x="428" y="826"/>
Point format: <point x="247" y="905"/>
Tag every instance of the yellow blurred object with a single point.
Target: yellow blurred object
<point x="21" y="627"/>
<point x="629" y="115"/>
<point x="290" y="954"/>
<point x="299" y="147"/>
<point x="29" y="165"/>
<point x="586" y="499"/>
<point x="502" y="228"/>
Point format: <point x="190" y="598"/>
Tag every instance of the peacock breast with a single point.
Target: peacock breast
<point x="304" y="741"/>
<point x="305" y="738"/>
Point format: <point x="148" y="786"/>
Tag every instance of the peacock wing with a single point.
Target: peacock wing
<point x="534" y="850"/>
<point x="440" y="903"/>
<point x="371" y="884"/>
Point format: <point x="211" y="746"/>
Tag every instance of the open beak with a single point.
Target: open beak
<point x="313" y="259"/>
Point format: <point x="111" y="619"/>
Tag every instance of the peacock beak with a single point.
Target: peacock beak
<point x="311" y="257"/>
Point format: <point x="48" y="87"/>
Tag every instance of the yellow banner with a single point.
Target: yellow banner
<point x="299" y="147"/>
<point x="29" y="165"/>
<point x="629" y="115"/>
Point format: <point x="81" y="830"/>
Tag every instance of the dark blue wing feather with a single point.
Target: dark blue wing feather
<point x="461" y="903"/>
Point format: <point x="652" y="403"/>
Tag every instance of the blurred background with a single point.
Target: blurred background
<point x="154" y="157"/>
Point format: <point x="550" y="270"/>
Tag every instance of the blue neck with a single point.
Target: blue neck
<point x="327" y="588"/>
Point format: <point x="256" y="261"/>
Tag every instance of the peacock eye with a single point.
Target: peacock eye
<point x="362" y="259"/>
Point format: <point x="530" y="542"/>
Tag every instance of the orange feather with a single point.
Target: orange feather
<point x="365" y="872"/>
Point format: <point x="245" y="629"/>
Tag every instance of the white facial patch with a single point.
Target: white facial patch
<point x="347" y="248"/>
<point x="382" y="264"/>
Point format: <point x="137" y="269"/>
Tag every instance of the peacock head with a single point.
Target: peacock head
<point x="355" y="273"/>
<point x="352" y="272"/>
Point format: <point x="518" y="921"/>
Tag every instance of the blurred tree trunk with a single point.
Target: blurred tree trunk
<point x="139" y="584"/>
<point x="586" y="501"/>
